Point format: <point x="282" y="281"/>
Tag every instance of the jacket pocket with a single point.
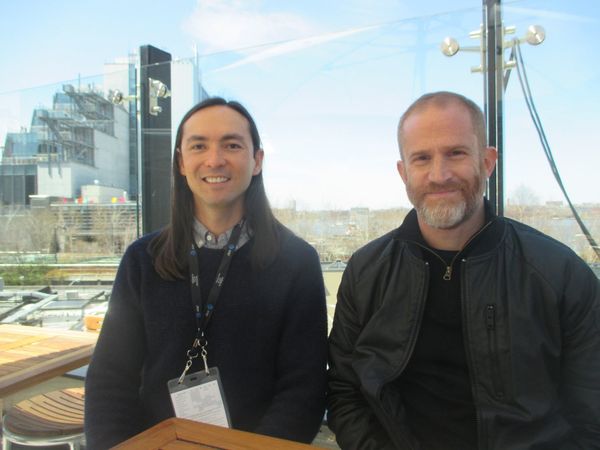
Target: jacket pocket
<point x="494" y="356"/>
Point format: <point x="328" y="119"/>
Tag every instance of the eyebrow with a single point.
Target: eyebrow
<point x="235" y="136"/>
<point x="446" y="148"/>
<point x="225" y="137"/>
<point x="418" y="153"/>
<point x="196" y="137"/>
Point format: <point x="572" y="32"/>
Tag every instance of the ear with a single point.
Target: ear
<point x="180" y="162"/>
<point x="490" y="156"/>
<point x="401" y="170"/>
<point x="258" y="161"/>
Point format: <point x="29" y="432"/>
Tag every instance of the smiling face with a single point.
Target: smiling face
<point x="218" y="160"/>
<point x="444" y="165"/>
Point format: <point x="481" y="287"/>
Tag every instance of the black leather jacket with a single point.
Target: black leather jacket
<point x="531" y="322"/>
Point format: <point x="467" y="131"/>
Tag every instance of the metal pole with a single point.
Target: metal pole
<point x="493" y="72"/>
<point x="155" y="141"/>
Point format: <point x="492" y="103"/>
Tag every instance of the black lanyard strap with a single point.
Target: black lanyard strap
<point x="204" y="314"/>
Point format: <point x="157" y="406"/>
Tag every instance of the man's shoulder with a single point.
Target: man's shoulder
<point x="377" y="249"/>
<point x="383" y="247"/>
<point x="144" y="241"/>
<point x="542" y="252"/>
<point x="293" y="245"/>
<point x="139" y="249"/>
<point x="534" y="241"/>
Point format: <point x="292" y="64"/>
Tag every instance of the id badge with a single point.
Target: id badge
<point x="200" y="397"/>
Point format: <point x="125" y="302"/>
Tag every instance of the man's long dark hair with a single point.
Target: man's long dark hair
<point x="170" y="248"/>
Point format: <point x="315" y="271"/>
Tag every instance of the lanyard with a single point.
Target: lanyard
<point x="203" y="315"/>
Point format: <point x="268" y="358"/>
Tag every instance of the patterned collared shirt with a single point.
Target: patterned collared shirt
<point x="205" y="238"/>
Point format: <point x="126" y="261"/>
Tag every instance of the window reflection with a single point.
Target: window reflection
<point x="328" y="106"/>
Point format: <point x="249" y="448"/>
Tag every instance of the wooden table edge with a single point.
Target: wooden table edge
<point x="44" y="371"/>
<point x="213" y="436"/>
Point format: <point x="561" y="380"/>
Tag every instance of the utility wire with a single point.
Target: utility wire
<point x="522" y="75"/>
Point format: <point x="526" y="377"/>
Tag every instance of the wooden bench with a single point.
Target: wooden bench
<point x="53" y="418"/>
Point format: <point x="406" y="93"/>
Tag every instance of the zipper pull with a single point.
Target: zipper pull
<point x="490" y="317"/>
<point x="448" y="274"/>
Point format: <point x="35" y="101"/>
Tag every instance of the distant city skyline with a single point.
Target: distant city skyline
<point x="329" y="87"/>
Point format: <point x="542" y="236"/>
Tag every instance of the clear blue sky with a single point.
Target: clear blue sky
<point x="328" y="95"/>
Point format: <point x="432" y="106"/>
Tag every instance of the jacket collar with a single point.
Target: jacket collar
<point x="485" y="240"/>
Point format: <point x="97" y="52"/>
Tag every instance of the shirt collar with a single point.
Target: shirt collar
<point x="205" y="238"/>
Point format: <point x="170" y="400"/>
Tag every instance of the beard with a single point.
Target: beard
<point x="444" y="214"/>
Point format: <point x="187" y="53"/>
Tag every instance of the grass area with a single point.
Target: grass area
<point x="30" y="275"/>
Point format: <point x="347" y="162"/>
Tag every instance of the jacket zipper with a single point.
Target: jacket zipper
<point x="448" y="273"/>
<point x="490" y="324"/>
<point x="447" y="276"/>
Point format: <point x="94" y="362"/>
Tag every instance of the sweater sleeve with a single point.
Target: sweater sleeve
<point x="112" y="407"/>
<point x="350" y="416"/>
<point x="298" y="405"/>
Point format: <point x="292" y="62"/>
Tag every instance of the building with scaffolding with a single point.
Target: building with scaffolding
<point x="82" y="139"/>
<point x="86" y="139"/>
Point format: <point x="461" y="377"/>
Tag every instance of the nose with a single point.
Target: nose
<point x="439" y="171"/>
<point x="214" y="157"/>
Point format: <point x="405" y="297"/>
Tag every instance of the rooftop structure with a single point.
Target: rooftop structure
<point x="75" y="142"/>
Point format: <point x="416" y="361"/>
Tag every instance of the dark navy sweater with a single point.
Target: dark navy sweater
<point x="267" y="336"/>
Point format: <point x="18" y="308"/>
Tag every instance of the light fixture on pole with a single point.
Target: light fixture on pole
<point x="117" y="97"/>
<point x="535" y="35"/>
<point x="496" y="71"/>
<point x="156" y="89"/>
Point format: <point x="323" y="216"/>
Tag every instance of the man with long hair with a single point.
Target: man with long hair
<point x="462" y="330"/>
<point x="224" y="281"/>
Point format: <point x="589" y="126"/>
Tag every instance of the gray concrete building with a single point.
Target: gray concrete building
<point x="82" y="139"/>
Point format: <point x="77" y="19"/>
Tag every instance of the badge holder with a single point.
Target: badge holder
<point x="199" y="396"/>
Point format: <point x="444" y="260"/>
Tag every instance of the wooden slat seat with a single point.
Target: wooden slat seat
<point x="55" y="417"/>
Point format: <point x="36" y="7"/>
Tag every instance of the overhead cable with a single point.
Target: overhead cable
<point x="522" y="75"/>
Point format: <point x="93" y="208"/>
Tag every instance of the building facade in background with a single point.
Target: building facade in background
<point x="70" y="182"/>
<point x="84" y="139"/>
<point x="81" y="139"/>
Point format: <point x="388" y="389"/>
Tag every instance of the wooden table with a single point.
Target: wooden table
<point x="179" y="434"/>
<point x="30" y="355"/>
